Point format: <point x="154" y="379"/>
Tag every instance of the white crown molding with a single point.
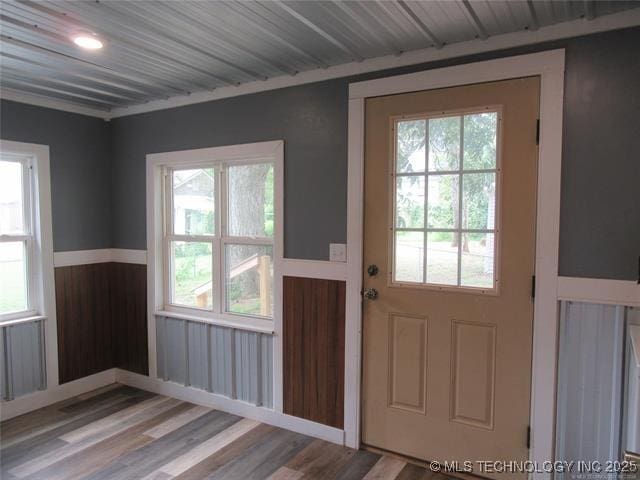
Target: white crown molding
<point x="86" y="257"/>
<point x="575" y="28"/>
<point x="48" y="102"/>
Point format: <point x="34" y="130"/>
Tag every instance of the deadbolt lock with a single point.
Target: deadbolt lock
<point x="370" y="293"/>
<point x="372" y="270"/>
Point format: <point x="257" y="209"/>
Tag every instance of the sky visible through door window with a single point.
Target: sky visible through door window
<point x="445" y="190"/>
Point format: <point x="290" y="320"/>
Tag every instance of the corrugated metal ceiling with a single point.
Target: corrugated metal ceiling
<point x="158" y="49"/>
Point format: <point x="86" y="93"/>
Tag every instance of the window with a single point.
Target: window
<point x="446" y="174"/>
<point x="17" y="242"/>
<point x="219" y="235"/>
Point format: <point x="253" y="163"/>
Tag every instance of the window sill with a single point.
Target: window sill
<point x="266" y="327"/>
<point x="17" y="321"/>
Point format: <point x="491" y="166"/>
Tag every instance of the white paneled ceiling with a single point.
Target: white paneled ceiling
<point x="158" y="49"/>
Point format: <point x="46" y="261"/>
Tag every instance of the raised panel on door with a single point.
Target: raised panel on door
<point x="407" y="362"/>
<point x="473" y="357"/>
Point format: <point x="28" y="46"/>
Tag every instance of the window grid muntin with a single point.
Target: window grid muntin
<point x="460" y="172"/>
<point x="218" y="240"/>
<point x="171" y="237"/>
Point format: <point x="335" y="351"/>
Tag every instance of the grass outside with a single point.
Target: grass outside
<point x="245" y="306"/>
<point x="442" y="263"/>
<point x="194" y="272"/>
<point x="12" y="286"/>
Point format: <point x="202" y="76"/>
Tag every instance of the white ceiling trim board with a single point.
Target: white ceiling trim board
<point x="575" y="28"/>
<point x="47" y="102"/>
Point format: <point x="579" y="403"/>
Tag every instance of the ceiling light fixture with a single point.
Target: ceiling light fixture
<point x="88" y="41"/>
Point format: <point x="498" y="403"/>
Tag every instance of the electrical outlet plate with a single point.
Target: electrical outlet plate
<point x="337" y="252"/>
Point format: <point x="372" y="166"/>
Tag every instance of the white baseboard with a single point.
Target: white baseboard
<point x="36" y="400"/>
<point x="236" y="407"/>
<point x="86" y="257"/>
<point x="594" y="290"/>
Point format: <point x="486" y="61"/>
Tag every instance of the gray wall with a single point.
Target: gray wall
<point x="312" y="120"/>
<point x="79" y="148"/>
<point x="600" y="226"/>
<point x="600" y="217"/>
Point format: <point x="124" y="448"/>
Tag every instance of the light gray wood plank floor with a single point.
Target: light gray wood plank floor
<point x="121" y="433"/>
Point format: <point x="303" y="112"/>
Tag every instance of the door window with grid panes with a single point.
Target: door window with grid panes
<point x="445" y="190"/>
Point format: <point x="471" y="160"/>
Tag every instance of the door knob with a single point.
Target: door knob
<point x="370" y="293"/>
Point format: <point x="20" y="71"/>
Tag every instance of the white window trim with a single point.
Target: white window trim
<point x="41" y="283"/>
<point x="273" y="152"/>
<point x="549" y="66"/>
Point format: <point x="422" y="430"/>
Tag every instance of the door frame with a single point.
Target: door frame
<point x="549" y="66"/>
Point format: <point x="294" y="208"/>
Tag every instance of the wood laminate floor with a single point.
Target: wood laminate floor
<point x="120" y="432"/>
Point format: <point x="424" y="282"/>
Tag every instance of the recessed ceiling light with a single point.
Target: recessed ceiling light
<point x="88" y="41"/>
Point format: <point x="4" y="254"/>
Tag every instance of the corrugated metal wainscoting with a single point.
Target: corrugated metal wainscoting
<point x="227" y="361"/>
<point x="591" y="379"/>
<point x="23" y="359"/>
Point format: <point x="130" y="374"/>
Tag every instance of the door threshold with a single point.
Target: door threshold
<point x="421" y="463"/>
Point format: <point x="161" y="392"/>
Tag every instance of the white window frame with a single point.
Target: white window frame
<point x="27" y="237"/>
<point x="218" y="240"/>
<point x="262" y="152"/>
<point x="37" y="212"/>
<point x="460" y="171"/>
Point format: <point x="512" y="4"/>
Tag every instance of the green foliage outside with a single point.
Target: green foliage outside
<point x="12" y="289"/>
<point x="442" y="267"/>
<point x="192" y="269"/>
<point x="434" y="145"/>
<point x="193" y="260"/>
<point x="268" y="203"/>
<point x="479" y="152"/>
<point x="199" y="222"/>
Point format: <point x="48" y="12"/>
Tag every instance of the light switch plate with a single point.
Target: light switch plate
<point x="338" y="252"/>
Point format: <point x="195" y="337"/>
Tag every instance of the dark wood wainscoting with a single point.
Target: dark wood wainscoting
<point x="313" y="342"/>
<point x="101" y="317"/>
<point x="83" y="313"/>
<point x="129" y="310"/>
